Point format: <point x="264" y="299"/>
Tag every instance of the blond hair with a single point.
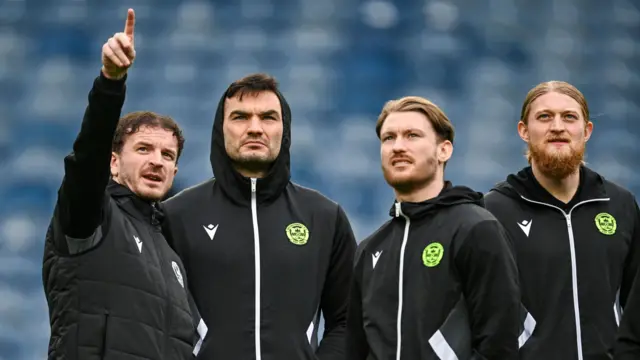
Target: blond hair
<point x="438" y="119"/>
<point x="560" y="87"/>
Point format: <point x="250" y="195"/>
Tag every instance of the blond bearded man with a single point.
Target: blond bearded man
<point x="575" y="233"/>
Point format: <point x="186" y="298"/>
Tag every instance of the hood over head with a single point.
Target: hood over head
<point x="238" y="187"/>
<point x="449" y="196"/>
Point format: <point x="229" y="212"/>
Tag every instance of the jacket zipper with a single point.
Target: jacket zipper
<point x="256" y="250"/>
<point x="401" y="280"/>
<point x="574" y="268"/>
<point x="103" y="352"/>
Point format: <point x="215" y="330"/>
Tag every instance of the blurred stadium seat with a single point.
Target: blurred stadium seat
<point x="337" y="62"/>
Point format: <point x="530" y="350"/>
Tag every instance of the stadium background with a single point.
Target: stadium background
<point x="338" y="61"/>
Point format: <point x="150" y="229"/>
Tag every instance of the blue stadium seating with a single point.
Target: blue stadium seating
<point x="337" y="62"/>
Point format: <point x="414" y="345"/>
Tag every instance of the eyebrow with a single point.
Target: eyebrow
<point x="148" y="144"/>
<point x="262" y="114"/>
<point x="404" y="131"/>
<point x="563" y="111"/>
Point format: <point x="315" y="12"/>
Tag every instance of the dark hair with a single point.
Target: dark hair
<point x="133" y="121"/>
<point x="252" y="84"/>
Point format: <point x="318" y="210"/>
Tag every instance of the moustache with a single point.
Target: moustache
<point x="558" y="139"/>
<point x="398" y="158"/>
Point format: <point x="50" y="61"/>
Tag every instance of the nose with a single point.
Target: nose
<point x="398" y="145"/>
<point x="156" y="159"/>
<point x="255" y="126"/>
<point x="557" y="125"/>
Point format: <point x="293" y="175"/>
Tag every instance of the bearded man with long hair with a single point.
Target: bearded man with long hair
<point x="575" y="233"/>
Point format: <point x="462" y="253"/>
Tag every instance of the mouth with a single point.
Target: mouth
<point x="400" y="161"/>
<point x="254" y="144"/>
<point x="558" y="141"/>
<point x="153" y="178"/>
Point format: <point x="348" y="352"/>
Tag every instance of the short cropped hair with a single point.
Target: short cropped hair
<point x="252" y="84"/>
<point x="133" y="121"/>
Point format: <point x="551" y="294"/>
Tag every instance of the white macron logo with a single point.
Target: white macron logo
<point x="138" y="242"/>
<point x="375" y="258"/>
<point x="525" y="226"/>
<point x="211" y="230"/>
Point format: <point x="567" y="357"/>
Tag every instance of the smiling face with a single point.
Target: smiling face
<point x="556" y="131"/>
<point x="147" y="162"/>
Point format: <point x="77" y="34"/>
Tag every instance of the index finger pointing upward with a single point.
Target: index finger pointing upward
<point x="130" y="24"/>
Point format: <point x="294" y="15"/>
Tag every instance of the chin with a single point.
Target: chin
<point x="151" y="194"/>
<point x="400" y="180"/>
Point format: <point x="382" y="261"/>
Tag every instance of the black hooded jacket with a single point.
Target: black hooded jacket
<point x="576" y="261"/>
<point x="437" y="281"/>
<point x="264" y="257"/>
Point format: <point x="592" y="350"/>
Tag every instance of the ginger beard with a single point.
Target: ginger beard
<point x="554" y="162"/>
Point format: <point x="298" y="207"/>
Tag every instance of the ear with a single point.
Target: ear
<point x="588" y="130"/>
<point x="115" y="164"/>
<point x="445" y="150"/>
<point x="523" y="131"/>
<point x="175" y="171"/>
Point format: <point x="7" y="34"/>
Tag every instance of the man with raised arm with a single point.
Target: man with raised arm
<point x="114" y="287"/>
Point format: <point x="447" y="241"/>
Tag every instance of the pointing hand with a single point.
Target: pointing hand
<point x="119" y="52"/>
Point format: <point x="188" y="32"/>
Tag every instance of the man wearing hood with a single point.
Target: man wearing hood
<point x="575" y="233"/>
<point x="438" y="280"/>
<point x="264" y="256"/>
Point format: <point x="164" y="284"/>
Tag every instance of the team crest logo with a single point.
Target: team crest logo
<point x="432" y="254"/>
<point x="176" y="270"/>
<point x="297" y="233"/>
<point x="606" y="223"/>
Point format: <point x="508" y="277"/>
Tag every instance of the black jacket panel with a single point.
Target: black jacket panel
<point x="437" y="281"/>
<point x="576" y="261"/>
<point x="263" y="258"/>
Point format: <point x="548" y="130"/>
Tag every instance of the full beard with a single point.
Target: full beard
<point x="557" y="165"/>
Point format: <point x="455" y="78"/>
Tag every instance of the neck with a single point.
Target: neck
<point x="429" y="191"/>
<point x="563" y="189"/>
<point x="249" y="173"/>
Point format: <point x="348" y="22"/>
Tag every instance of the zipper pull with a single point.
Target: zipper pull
<point x="398" y="210"/>
<point x="253" y="184"/>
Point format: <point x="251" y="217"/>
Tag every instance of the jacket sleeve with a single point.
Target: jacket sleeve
<point x="489" y="275"/>
<point x="81" y="197"/>
<point x="200" y="327"/>
<point x="335" y="294"/>
<point x="628" y="342"/>
<point x="357" y="346"/>
<point x="632" y="261"/>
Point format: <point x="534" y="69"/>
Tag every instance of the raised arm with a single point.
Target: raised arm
<point x="81" y="197"/>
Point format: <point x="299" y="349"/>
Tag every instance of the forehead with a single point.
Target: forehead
<point x="155" y="136"/>
<point x="399" y="121"/>
<point x="555" y="101"/>
<point x="253" y="103"/>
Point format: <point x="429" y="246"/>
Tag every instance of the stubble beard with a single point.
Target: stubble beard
<point x="407" y="184"/>
<point x="557" y="165"/>
<point x="253" y="163"/>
